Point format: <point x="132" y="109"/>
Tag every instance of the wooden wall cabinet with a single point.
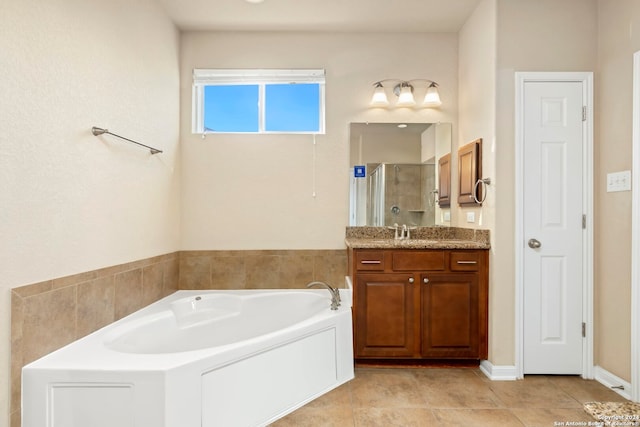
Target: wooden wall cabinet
<point x="420" y="304"/>
<point x="469" y="172"/>
<point x="444" y="181"/>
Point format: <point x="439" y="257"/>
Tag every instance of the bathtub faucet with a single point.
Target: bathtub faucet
<point x="335" y="293"/>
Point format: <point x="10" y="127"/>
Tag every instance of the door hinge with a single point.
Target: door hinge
<point x="584" y="114"/>
<point x="584" y="221"/>
<point x="584" y="330"/>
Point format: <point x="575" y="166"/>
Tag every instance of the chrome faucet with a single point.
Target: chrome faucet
<point x="401" y="233"/>
<point x="335" y="293"/>
<point x="396" y="236"/>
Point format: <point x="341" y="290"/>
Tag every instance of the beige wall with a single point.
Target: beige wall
<point x="255" y="192"/>
<point x="619" y="38"/>
<point x="545" y="35"/>
<point x="477" y="80"/>
<point x="72" y="202"/>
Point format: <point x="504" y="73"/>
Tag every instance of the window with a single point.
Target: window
<point x="258" y="101"/>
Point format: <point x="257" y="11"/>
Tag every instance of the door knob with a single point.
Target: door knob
<point x="534" y="243"/>
<point x="411" y="280"/>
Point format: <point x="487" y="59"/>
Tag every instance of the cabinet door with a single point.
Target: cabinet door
<point x="469" y="171"/>
<point x="450" y="321"/>
<point x="385" y="315"/>
<point x="444" y="181"/>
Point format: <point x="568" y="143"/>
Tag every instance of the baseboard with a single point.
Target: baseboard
<point x="498" y="373"/>
<point x="610" y="380"/>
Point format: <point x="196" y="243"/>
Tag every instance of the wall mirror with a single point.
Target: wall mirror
<point x="396" y="172"/>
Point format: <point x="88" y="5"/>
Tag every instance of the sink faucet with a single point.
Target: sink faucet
<point x="335" y="293"/>
<point x="396" y="236"/>
<point x="401" y="233"/>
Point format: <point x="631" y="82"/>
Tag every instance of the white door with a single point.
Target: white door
<point x="553" y="227"/>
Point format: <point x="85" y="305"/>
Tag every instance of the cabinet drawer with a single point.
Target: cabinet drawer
<point x="370" y="260"/>
<point x="464" y="261"/>
<point x="418" y="260"/>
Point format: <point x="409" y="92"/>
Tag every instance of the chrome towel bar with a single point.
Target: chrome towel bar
<point x="99" y="131"/>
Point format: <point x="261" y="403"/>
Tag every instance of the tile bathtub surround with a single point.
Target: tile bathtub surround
<point x="48" y="315"/>
<point x="261" y="269"/>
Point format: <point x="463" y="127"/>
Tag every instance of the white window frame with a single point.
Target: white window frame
<point x="260" y="77"/>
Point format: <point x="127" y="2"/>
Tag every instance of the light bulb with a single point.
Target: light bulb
<point x="405" y="99"/>
<point x="379" y="98"/>
<point x="432" y="97"/>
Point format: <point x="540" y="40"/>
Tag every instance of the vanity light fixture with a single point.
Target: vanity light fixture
<point x="404" y="91"/>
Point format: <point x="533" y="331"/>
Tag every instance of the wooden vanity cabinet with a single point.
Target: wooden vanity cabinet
<point x="385" y="316"/>
<point x="420" y="304"/>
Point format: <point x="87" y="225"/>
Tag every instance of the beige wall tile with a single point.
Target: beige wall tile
<point x="263" y="272"/>
<point x="331" y="267"/>
<point x="296" y="270"/>
<point x="171" y="276"/>
<point x="34" y="289"/>
<point x="16" y="419"/>
<point x="128" y="292"/>
<point x="17" y="319"/>
<point x="96" y="305"/>
<point x="195" y="272"/>
<point x="228" y="272"/>
<point x="73" y="279"/>
<point x="49" y="322"/>
<point x="152" y="283"/>
<point x="261" y="269"/>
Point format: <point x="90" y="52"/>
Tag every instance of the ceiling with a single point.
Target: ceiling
<point x="321" y="15"/>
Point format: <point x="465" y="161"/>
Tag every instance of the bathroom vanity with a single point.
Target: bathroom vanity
<point x="423" y="298"/>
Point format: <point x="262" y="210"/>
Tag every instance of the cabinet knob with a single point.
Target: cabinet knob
<point x="411" y="280"/>
<point x="425" y="280"/>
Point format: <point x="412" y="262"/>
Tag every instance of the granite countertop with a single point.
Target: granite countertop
<point x="421" y="238"/>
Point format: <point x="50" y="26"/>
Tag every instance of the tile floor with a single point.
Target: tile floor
<point x="450" y="397"/>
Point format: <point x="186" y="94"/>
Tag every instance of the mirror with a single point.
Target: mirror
<point x="396" y="171"/>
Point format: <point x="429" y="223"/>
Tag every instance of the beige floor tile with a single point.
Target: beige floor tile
<point x="339" y="416"/>
<point x="391" y="417"/>
<point x="585" y="390"/>
<point x="449" y="397"/>
<point x="448" y="374"/>
<point x="535" y="392"/>
<point x="383" y="388"/>
<point x="469" y="394"/>
<point x="476" y="417"/>
<point x="340" y="396"/>
<point x="537" y="417"/>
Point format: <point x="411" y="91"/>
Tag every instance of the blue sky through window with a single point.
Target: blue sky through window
<point x="231" y="108"/>
<point x="287" y="108"/>
<point x="292" y="108"/>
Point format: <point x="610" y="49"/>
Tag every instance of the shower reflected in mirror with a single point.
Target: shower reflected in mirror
<point x="395" y="173"/>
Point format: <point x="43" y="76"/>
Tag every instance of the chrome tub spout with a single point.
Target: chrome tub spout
<point x="335" y="293"/>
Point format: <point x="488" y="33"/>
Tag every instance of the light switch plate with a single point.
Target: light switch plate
<point x="471" y="217"/>
<point x="447" y="216"/>
<point x="619" y="181"/>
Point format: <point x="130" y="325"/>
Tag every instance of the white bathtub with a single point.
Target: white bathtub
<point x="196" y="358"/>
